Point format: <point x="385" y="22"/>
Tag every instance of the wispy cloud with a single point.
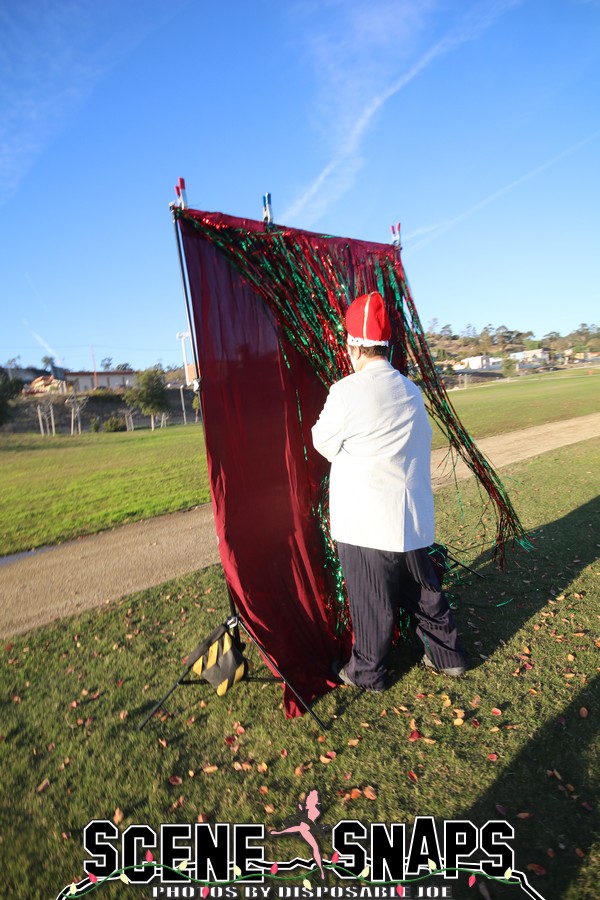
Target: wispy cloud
<point x="432" y="232"/>
<point x="375" y="42"/>
<point x="53" y="53"/>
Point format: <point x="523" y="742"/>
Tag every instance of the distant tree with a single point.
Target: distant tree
<point x="502" y="336"/>
<point x="446" y="331"/>
<point x="484" y="338"/>
<point x="13" y="363"/>
<point x="9" y="388"/>
<point x="149" y="393"/>
<point x="47" y="362"/>
<point x="123" y="367"/>
<point x="106" y="363"/>
<point x="509" y="366"/>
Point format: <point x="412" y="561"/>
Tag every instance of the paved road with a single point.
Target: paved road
<point x="38" y="587"/>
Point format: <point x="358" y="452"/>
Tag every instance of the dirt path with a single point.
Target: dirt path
<point x="38" y="587"/>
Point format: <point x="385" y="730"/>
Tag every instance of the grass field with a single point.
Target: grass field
<point x="503" y="406"/>
<point x="72" y="695"/>
<point x="54" y="489"/>
<point x="58" y="488"/>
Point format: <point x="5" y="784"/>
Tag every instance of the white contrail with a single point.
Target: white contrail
<point x="436" y="231"/>
<point x="346" y="158"/>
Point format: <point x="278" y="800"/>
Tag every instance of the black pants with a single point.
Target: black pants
<point x="380" y="581"/>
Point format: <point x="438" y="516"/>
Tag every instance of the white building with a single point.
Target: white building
<point x="478" y="363"/>
<point x="89" y="381"/>
<point x="531" y="357"/>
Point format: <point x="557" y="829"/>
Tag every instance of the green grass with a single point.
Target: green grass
<point x="54" y="489"/>
<point x="73" y="693"/>
<point x="58" y="488"/>
<point x="501" y="406"/>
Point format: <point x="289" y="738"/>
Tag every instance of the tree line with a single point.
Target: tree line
<point x="501" y="340"/>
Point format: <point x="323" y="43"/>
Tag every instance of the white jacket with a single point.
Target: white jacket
<point x="375" y="431"/>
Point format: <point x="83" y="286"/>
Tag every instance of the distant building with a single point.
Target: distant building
<point x="26" y="374"/>
<point x="89" y="381"/>
<point x="43" y="384"/>
<point x="525" y="358"/>
<point x="477" y="363"/>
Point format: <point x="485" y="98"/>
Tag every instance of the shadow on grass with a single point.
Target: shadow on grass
<point x="507" y="599"/>
<point x="549" y="785"/>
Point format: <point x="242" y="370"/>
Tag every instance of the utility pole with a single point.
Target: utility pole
<point x="182" y="404"/>
<point x="94" y="363"/>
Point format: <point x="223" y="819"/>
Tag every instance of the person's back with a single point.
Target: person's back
<point x="376" y="433"/>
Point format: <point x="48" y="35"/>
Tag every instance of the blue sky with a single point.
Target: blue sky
<point x="474" y="124"/>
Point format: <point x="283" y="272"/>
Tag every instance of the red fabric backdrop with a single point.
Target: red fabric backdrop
<point x="260" y="398"/>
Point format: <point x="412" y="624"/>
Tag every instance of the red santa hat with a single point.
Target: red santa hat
<point x="367" y="322"/>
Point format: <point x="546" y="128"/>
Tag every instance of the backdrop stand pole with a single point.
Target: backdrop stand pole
<point x="234" y="622"/>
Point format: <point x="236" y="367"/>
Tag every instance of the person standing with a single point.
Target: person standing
<point x="375" y="432"/>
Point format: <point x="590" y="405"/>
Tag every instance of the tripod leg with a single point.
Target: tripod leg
<point x="282" y="676"/>
<point x="462" y="565"/>
<point x="162" y="700"/>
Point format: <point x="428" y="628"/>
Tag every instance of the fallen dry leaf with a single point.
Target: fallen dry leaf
<point x="42" y="787"/>
<point x="208" y="770"/>
<point x="496" y="712"/>
<point x="414" y="735"/>
<point x="534" y="867"/>
<point x="269" y="809"/>
<point x="370" y="792"/>
<point x="583" y="712"/>
<point x="412" y="776"/>
<point x="524" y="815"/>
<point x="118" y="816"/>
<point x="175" y="780"/>
<point x="262" y="767"/>
<point x="353" y="742"/>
